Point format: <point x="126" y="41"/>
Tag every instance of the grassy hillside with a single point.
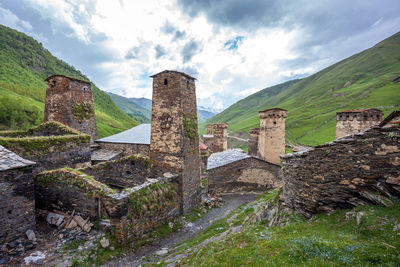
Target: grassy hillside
<point x="360" y="81"/>
<point x="24" y="64"/>
<point x="135" y="111"/>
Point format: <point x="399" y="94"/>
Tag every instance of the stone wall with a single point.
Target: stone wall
<point x="174" y="132"/>
<point x="271" y="141"/>
<point x="208" y="140"/>
<point x="220" y="137"/>
<point x="66" y="147"/>
<point x="17" y="203"/>
<point x="70" y="101"/>
<point x="356" y="121"/>
<point x="253" y="142"/>
<point x="126" y="148"/>
<point x="246" y="175"/>
<point x="358" y="170"/>
<point x="133" y="210"/>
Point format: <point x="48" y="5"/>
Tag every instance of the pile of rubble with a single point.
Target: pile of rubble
<point x="63" y="220"/>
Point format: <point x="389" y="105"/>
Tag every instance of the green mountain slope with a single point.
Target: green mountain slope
<point x="135" y="111"/>
<point x="24" y="64"/>
<point x="360" y="81"/>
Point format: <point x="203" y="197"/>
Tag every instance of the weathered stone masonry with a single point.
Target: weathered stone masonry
<point x="356" y="121"/>
<point x="129" y="191"/>
<point x="244" y="175"/>
<point x="174" y="132"/>
<point x="357" y="170"/>
<point x="220" y="137"/>
<point x="271" y="141"/>
<point x="17" y="202"/>
<point x="253" y="142"/>
<point x="70" y="101"/>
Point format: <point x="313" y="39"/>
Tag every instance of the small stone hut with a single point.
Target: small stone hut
<point x="234" y="171"/>
<point x="17" y="198"/>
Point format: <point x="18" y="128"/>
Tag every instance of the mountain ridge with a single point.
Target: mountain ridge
<point x="360" y="81"/>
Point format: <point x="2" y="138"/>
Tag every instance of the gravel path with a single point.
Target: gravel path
<point x="232" y="201"/>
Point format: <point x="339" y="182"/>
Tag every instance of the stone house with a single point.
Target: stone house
<point x="234" y="171"/>
<point x="216" y="137"/>
<point x="17" y="198"/>
<point x="132" y="141"/>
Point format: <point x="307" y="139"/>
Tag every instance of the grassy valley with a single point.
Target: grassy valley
<point x="361" y="81"/>
<point x="24" y="64"/>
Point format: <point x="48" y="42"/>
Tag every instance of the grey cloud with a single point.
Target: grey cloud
<point x="168" y="28"/>
<point x="160" y="51"/>
<point x="139" y="51"/>
<point x="189" y="50"/>
<point x="190" y="70"/>
<point x="322" y="20"/>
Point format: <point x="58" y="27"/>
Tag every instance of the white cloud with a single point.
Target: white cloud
<point x="11" y="20"/>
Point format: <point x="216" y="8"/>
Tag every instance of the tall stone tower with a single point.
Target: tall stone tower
<point x="253" y="142"/>
<point x="174" y="132"/>
<point x="220" y="137"/>
<point x="70" y="101"/>
<point x="209" y="129"/>
<point x="356" y="120"/>
<point x="271" y="143"/>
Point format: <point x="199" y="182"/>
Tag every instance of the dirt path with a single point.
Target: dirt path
<point x="187" y="231"/>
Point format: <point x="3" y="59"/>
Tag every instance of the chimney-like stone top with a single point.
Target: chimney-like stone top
<point x="70" y="78"/>
<point x="254" y="130"/>
<point x="220" y="125"/>
<point x="173" y="72"/>
<point x="272" y="113"/>
<point x="368" y="110"/>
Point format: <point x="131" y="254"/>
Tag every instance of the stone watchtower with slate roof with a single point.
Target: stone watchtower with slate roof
<point x="356" y="121"/>
<point x="17" y="196"/>
<point x="70" y="101"/>
<point x="271" y="142"/>
<point x="174" y="141"/>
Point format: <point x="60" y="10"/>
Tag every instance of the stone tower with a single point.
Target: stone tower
<point x="356" y="120"/>
<point x="271" y="142"/>
<point x="174" y="132"/>
<point x="70" y="101"/>
<point x="253" y="142"/>
<point x="209" y="129"/>
<point x="220" y="137"/>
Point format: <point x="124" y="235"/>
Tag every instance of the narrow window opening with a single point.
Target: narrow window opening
<point x="165" y="82"/>
<point x="274" y="122"/>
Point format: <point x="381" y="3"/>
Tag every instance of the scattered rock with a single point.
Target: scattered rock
<point x="162" y="252"/>
<point x="31" y="235"/>
<point x="36" y="257"/>
<point x="104" y="242"/>
<point x="396" y="227"/>
<point x="359" y="216"/>
<point x="347" y="84"/>
<point x="171" y="225"/>
<point x="54" y="218"/>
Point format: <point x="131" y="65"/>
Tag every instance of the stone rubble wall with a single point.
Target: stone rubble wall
<point x="126" y="148"/>
<point x="220" y="137"/>
<point x="357" y="121"/>
<point x="244" y="175"/>
<point x="51" y="145"/>
<point x="253" y="142"/>
<point x="360" y="169"/>
<point x="17" y="203"/>
<point x="126" y="172"/>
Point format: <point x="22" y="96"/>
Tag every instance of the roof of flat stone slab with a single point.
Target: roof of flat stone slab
<point x="10" y="160"/>
<point x="136" y="135"/>
<point x="223" y="158"/>
<point x="104" y="155"/>
<point x="173" y="71"/>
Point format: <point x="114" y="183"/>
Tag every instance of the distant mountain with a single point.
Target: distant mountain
<point x="24" y="64"/>
<point x="140" y="108"/>
<point x="143" y="102"/>
<point x="361" y="81"/>
<point x="130" y="107"/>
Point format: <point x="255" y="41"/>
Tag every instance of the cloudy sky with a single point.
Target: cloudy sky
<point x="233" y="47"/>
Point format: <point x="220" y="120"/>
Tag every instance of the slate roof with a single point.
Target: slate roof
<point x="136" y="135"/>
<point x="104" y="155"/>
<point x="10" y="160"/>
<point x="223" y="158"/>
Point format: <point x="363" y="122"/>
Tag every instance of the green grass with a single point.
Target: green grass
<point x="324" y="240"/>
<point x="24" y="64"/>
<point x="313" y="100"/>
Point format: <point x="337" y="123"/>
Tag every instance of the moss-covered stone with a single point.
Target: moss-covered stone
<point x="83" y="111"/>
